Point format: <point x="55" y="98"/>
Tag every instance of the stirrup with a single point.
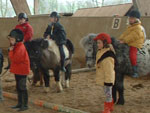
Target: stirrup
<point x="63" y="69"/>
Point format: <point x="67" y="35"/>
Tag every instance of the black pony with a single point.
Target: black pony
<point x="44" y="56"/>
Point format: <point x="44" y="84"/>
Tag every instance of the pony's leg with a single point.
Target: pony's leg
<point x="46" y="79"/>
<point x="68" y="75"/>
<point x="120" y="89"/>
<point x="41" y="78"/>
<point x="35" y="79"/>
<point x="57" y="79"/>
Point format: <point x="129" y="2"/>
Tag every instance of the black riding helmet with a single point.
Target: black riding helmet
<point x="22" y="15"/>
<point x="135" y="13"/>
<point x="54" y="14"/>
<point x="17" y="34"/>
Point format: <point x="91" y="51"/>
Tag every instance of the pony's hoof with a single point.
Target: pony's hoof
<point x="46" y="89"/>
<point x="59" y="87"/>
<point x="67" y="84"/>
<point x="120" y="102"/>
<point x="59" y="91"/>
<point x="38" y="84"/>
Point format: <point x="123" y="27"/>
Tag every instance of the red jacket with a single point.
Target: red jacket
<point x="27" y="30"/>
<point x="19" y="58"/>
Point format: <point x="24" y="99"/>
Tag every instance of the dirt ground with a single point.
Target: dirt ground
<point x="5" y="107"/>
<point x="84" y="94"/>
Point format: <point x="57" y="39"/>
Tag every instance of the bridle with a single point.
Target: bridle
<point x="93" y="57"/>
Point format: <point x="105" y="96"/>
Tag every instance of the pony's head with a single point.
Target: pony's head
<point x="90" y="48"/>
<point x="34" y="49"/>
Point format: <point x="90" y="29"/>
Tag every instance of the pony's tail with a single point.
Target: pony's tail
<point x="70" y="46"/>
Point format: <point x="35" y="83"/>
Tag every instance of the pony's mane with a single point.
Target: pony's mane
<point x="85" y="40"/>
<point x="89" y="38"/>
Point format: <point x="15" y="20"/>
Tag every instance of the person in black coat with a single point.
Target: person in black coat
<point x="56" y="31"/>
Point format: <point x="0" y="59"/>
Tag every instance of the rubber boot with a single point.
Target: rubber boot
<point x="135" y="72"/>
<point x="107" y="107"/>
<point x="19" y="101"/>
<point x="25" y="101"/>
<point x="1" y="91"/>
<point x="112" y="105"/>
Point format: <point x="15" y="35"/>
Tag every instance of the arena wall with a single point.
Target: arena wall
<point x="76" y="28"/>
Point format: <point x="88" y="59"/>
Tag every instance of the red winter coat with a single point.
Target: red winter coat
<point x="27" y="30"/>
<point x="19" y="58"/>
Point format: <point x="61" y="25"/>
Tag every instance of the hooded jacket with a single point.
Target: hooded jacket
<point x="133" y="35"/>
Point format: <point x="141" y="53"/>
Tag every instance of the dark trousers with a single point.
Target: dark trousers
<point x="62" y="55"/>
<point x="22" y="90"/>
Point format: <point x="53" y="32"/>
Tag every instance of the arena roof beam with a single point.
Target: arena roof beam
<point x="20" y="6"/>
<point x="142" y="6"/>
<point x="36" y="6"/>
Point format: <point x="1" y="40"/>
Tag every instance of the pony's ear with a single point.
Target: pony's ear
<point x="44" y="44"/>
<point x="83" y="42"/>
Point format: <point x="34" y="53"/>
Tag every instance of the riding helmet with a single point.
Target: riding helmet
<point x="55" y="15"/>
<point x="17" y="34"/>
<point x="135" y="13"/>
<point x="103" y="36"/>
<point x="22" y="15"/>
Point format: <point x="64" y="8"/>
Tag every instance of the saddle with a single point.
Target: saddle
<point x="52" y="46"/>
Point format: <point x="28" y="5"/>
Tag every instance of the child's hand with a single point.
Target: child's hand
<point x="11" y="48"/>
<point x="121" y="42"/>
<point x="48" y="37"/>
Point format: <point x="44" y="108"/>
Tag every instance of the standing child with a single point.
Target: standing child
<point x="105" y="73"/>
<point x="56" y="31"/>
<point x="20" y="66"/>
<point x="134" y="36"/>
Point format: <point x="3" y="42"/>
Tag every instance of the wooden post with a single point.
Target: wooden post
<point x="36" y="7"/>
<point x="20" y="6"/>
<point x="135" y="4"/>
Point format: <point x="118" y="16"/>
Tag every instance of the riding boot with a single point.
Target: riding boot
<point x="135" y="71"/>
<point x="62" y="65"/>
<point x="25" y="101"/>
<point x="62" y="55"/>
<point x="1" y="92"/>
<point x="19" y="101"/>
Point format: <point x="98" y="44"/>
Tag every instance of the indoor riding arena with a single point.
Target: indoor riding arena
<point x="83" y="95"/>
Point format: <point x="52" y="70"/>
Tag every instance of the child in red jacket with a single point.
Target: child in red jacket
<point x="26" y="28"/>
<point x="20" y="66"/>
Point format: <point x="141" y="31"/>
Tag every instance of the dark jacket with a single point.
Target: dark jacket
<point x="56" y="32"/>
